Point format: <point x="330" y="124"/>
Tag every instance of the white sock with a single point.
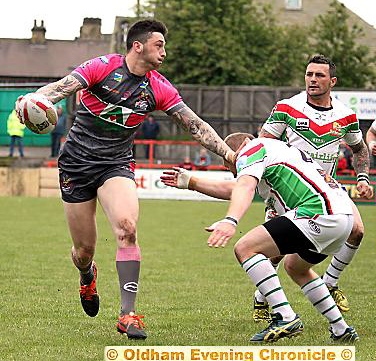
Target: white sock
<point x="318" y="294"/>
<point x="258" y="295"/>
<point x="339" y="262"/>
<point x="265" y="277"/>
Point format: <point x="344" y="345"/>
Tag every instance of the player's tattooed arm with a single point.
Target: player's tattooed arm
<point x="361" y="160"/>
<point x="61" y="88"/>
<point x="202" y="132"/>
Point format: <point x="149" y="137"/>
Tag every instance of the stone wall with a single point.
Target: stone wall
<point x="29" y="182"/>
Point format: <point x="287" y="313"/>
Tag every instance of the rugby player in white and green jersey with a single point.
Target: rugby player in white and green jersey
<point x="315" y="122"/>
<point x="316" y="219"/>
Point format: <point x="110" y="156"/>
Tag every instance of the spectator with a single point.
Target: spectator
<point x="59" y="131"/>
<point x="342" y="165"/>
<point x="347" y="153"/>
<point x="150" y="130"/>
<point x="16" y="131"/>
<point x="202" y="160"/>
<point x="186" y="164"/>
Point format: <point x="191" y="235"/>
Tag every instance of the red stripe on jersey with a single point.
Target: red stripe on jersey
<point x="292" y="112"/>
<point x="253" y="150"/>
<point x="135" y="119"/>
<point x="327" y="128"/>
<point x="317" y="128"/>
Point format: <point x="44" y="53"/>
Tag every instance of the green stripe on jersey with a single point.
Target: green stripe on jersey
<point x="294" y="190"/>
<point x="250" y="159"/>
<point x="317" y="140"/>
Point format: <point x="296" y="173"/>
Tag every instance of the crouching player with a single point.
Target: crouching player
<point x="316" y="219"/>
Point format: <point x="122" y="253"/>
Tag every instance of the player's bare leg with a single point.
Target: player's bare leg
<point x="83" y="230"/>
<point x="118" y="198"/>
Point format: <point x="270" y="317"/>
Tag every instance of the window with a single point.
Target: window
<point x="293" y="4"/>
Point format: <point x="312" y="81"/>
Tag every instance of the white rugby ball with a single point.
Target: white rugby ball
<point x="38" y="113"/>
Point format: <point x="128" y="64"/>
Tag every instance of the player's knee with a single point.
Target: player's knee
<point x="126" y="233"/>
<point x="289" y="267"/>
<point x="292" y="270"/>
<point x="83" y="255"/>
<point x="240" y="250"/>
<point x="356" y="234"/>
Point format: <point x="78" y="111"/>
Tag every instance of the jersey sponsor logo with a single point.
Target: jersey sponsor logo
<point x="118" y="77"/>
<point x="302" y="124"/>
<point x="142" y="101"/>
<point x="85" y="64"/>
<point x="336" y="130"/>
<point x="318" y="140"/>
<point x="131" y="287"/>
<point x="144" y="84"/>
<point x="104" y="59"/>
<point x="66" y="185"/>
<point x="126" y="95"/>
<point x="314" y="226"/>
<point x="106" y="87"/>
<point x="324" y="157"/>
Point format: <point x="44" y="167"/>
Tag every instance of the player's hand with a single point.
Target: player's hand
<point x="231" y="157"/>
<point x="222" y="232"/>
<point x="364" y="189"/>
<point x="19" y="112"/>
<point x="177" y="177"/>
<point x="372" y="147"/>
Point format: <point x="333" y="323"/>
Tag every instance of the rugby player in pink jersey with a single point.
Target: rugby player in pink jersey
<point x="96" y="162"/>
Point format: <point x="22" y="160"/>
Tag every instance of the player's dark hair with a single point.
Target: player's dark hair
<point x="142" y="30"/>
<point x="321" y="59"/>
<point x="235" y="140"/>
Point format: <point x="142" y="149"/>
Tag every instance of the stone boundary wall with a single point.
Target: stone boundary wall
<point x="29" y="182"/>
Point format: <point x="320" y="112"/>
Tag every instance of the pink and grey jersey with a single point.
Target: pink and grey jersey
<point x="114" y="102"/>
<point x="290" y="180"/>
<point x="316" y="131"/>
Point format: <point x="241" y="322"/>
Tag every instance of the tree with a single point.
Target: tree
<point x="334" y="38"/>
<point x="228" y="42"/>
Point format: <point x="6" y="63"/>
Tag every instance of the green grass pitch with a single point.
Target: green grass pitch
<point x="190" y="294"/>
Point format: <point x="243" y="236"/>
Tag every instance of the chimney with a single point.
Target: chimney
<point x="91" y="29"/>
<point x="38" y="33"/>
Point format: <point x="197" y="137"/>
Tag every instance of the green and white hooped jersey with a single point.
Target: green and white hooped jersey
<point x="316" y="132"/>
<point x="290" y="179"/>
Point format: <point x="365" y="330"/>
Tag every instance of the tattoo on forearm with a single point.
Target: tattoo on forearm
<point x="200" y="131"/>
<point x="61" y="88"/>
<point x="361" y="158"/>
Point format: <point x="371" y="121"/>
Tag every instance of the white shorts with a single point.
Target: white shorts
<point x="327" y="233"/>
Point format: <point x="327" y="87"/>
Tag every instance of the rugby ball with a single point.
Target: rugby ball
<point x="38" y="113"/>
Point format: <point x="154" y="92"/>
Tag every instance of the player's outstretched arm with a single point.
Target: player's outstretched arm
<point x="361" y="164"/>
<point x="203" y="133"/>
<point x="54" y="92"/>
<point x="61" y="89"/>
<point x="184" y="179"/>
<point x="241" y="199"/>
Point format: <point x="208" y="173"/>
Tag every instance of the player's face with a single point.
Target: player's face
<point x="318" y="81"/>
<point x="153" y="51"/>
